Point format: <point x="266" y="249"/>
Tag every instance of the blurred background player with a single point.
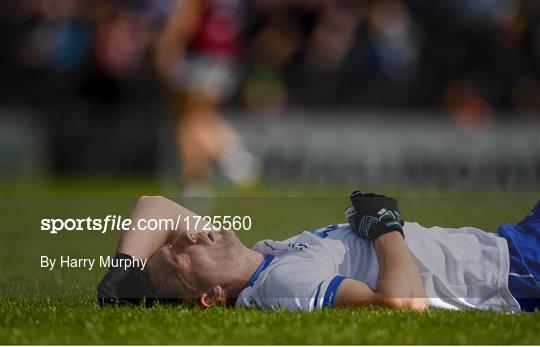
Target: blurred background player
<point x="197" y="57"/>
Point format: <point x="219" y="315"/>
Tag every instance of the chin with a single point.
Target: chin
<point x="228" y="233"/>
<point x="230" y="237"/>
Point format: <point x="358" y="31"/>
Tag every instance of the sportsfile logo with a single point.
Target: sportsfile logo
<point x="109" y="223"/>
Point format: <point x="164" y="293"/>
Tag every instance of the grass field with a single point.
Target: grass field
<point x="58" y="307"/>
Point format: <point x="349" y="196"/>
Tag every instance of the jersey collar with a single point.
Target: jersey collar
<point x="264" y="264"/>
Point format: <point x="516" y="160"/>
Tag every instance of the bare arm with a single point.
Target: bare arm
<point x="118" y="286"/>
<point x="144" y="243"/>
<point x="399" y="284"/>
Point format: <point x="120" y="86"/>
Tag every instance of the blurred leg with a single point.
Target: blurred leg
<point x="194" y="137"/>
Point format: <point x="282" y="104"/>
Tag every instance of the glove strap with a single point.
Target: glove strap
<point x="380" y="227"/>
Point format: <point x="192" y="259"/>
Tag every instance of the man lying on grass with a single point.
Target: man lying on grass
<point x="375" y="259"/>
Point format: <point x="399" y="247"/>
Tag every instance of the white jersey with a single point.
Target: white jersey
<point x="460" y="268"/>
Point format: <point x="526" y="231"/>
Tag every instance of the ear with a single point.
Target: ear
<point x="205" y="301"/>
<point x="214" y="298"/>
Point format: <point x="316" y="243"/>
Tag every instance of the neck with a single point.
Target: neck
<point x="249" y="262"/>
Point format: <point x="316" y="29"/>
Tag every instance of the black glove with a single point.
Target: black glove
<point x="122" y="286"/>
<point x="372" y="215"/>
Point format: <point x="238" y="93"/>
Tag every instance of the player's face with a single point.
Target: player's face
<point x="201" y="260"/>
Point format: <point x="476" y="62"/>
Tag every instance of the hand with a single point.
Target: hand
<point x="372" y="215"/>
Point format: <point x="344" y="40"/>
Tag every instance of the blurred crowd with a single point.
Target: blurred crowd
<point x="469" y="58"/>
<point x="101" y="71"/>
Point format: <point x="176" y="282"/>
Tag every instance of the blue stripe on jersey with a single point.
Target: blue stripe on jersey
<point x="317" y="294"/>
<point x="330" y="295"/>
<point x="320" y="233"/>
<point x="264" y="264"/>
<point x="323" y="232"/>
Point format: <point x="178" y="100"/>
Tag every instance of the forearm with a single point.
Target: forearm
<point x="144" y="243"/>
<point x="399" y="279"/>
